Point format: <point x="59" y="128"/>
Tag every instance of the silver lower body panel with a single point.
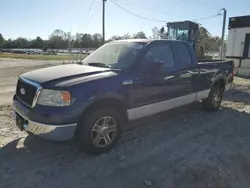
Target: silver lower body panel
<point x="46" y="131"/>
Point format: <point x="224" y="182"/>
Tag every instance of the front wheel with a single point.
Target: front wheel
<point x="214" y="99"/>
<point x="99" y="130"/>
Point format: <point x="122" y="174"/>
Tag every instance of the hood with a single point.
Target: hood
<point x="62" y="72"/>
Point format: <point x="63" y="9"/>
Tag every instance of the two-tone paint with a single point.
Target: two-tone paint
<point x="138" y="95"/>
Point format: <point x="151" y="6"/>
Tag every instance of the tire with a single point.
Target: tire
<point x="103" y="125"/>
<point x="214" y="99"/>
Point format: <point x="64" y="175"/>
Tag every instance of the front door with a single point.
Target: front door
<point x="148" y="88"/>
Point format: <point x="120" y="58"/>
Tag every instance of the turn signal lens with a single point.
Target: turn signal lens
<point x="66" y="97"/>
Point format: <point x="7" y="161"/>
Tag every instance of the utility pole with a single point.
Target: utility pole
<point x="103" y="21"/>
<point x="223" y="32"/>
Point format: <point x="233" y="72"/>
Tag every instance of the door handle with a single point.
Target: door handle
<point x="168" y="77"/>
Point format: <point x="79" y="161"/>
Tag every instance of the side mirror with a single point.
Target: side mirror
<point x="153" y="68"/>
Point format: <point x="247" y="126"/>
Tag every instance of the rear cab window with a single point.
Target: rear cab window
<point x="182" y="54"/>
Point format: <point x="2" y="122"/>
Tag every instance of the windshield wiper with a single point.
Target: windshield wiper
<point x="104" y="65"/>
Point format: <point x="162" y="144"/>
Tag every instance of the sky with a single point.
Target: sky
<point x="32" y="18"/>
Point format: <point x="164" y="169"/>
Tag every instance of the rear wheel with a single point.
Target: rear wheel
<point x="99" y="130"/>
<point x="214" y="99"/>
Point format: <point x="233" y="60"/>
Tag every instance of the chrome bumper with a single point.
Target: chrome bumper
<point x="48" y="132"/>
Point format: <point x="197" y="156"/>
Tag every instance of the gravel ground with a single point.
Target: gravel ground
<point x="183" y="148"/>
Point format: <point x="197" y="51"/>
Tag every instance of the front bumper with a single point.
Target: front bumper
<point x="47" y="131"/>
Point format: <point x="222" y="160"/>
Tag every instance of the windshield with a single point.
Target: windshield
<point x="115" y="55"/>
<point x="178" y="34"/>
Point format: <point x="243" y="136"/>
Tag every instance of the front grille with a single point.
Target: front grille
<point x="25" y="92"/>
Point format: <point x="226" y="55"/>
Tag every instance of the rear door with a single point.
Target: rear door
<point x="181" y="80"/>
<point x="151" y="94"/>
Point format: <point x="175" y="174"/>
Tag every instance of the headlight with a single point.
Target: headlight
<point x="54" y="98"/>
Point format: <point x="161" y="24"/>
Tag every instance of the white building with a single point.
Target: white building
<point x="238" y="47"/>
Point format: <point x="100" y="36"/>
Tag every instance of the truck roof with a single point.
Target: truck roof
<point x="146" y="40"/>
<point x="133" y="40"/>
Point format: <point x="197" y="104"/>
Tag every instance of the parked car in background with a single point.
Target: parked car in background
<point x="50" y="52"/>
<point x="90" y="52"/>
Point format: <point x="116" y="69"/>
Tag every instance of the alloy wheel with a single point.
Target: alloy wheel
<point x="104" y="131"/>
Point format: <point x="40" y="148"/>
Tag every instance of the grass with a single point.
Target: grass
<point x="42" y="57"/>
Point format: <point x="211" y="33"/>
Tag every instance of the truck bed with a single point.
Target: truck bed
<point x="216" y="63"/>
<point x="212" y="60"/>
<point x="221" y="65"/>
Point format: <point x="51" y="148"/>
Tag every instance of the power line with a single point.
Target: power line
<point x="87" y="24"/>
<point x="90" y="7"/>
<point x="136" y="15"/>
<point x="130" y="2"/>
<point x="142" y="7"/>
<point x="204" y="18"/>
<point x="196" y="3"/>
<point x="150" y="19"/>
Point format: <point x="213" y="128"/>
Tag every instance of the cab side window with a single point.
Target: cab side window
<point x="182" y="55"/>
<point x="161" y="53"/>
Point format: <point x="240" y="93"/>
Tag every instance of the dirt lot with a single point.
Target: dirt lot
<point x="183" y="148"/>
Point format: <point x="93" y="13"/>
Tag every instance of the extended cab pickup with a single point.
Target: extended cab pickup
<point x="119" y="82"/>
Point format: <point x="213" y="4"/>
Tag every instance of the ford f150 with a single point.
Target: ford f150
<point x="119" y="82"/>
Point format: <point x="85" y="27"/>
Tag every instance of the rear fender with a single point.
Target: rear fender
<point x="221" y="80"/>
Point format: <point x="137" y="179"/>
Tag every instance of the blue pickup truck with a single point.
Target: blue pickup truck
<point x="120" y="82"/>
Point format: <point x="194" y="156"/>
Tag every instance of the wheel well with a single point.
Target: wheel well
<point x="117" y="104"/>
<point x="221" y="83"/>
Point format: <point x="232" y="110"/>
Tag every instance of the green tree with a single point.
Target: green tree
<point x="97" y="40"/>
<point x="77" y="40"/>
<point x="127" y="36"/>
<point x="58" y="39"/>
<point x="140" y="35"/>
<point x="8" y="44"/>
<point x="1" y="40"/>
<point x="21" y="43"/>
<point x="63" y="40"/>
<point x="116" y="37"/>
<point x="203" y="34"/>
<point x="87" y="41"/>
<point x="211" y="43"/>
<point x="36" y="43"/>
<point x="155" y="33"/>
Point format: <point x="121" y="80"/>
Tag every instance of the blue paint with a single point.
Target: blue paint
<point x="130" y="86"/>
